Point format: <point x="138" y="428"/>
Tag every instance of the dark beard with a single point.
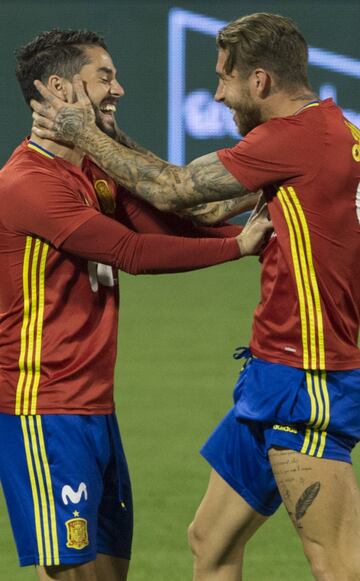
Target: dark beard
<point x="247" y="117"/>
<point x="109" y="131"/>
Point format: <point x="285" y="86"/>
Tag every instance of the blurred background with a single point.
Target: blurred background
<point x="177" y="332"/>
<point x="165" y="55"/>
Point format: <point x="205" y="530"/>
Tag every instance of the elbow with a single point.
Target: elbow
<point x="164" y="205"/>
<point x="208" y="220"/>
<point x="130" y="267"/>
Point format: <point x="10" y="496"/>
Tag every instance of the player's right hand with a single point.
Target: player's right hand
<point x="58" y="120"/>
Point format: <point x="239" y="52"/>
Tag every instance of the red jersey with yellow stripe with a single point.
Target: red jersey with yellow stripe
<point x="58" y="289"/>
<point x="308" y="165"/>
<point x="55" y="330"/>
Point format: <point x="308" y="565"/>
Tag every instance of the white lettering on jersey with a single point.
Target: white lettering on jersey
<point x="100" y="274"/>
<point x="68" y="493"/>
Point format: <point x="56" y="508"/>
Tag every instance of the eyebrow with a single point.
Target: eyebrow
<point x="106" y="70"/>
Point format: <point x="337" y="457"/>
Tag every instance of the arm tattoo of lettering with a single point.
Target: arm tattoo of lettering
<point x="166" y="186"/>
<point x="306" y="500"/>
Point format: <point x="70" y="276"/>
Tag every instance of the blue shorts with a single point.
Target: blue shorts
<point x="67" y="487"/>
<point x="313" y="412"/>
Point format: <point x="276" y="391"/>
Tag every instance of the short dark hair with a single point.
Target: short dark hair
<point x="265" y="40"/>
<point x="59" y="52"/>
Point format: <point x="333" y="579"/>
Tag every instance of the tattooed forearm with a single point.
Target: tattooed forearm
<point x="215" y="212"/>
<point x="166" y="186"/>
<point x="122" y="138"/>
<point x="210" y="177"/>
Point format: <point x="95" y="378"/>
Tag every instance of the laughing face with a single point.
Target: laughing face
<point x="104" y="91"/>
<point x="235" y="93"/>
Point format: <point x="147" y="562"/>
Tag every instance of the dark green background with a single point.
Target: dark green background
<point x="136" y="33"/>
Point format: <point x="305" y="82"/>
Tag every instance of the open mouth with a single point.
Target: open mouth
<point x="109" y="109"/>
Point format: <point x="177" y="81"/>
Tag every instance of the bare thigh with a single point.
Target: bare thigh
<point x="323" y="501"/>
<point x="83" y="572"/>
<point x="222" y="525"/>
<point x="105" y="568"/>
<point x="111" y="568"/>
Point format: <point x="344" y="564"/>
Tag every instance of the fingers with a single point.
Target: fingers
<point x="44" y="133"/>
<point x="44" y="92"/>
<point x="42" y="122"/>
<point x="263" y="211"/>
<point x="42" y="126"/>
<point x="261" y="214"/>
<point x="42" y="109"/>
<point x="79" y="90"/>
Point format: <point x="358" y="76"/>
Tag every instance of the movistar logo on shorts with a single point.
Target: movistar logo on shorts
<point x="68" y="493"/>
<point x="285" y="429"/>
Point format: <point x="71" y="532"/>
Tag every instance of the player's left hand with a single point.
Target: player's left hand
<point x="61" y="121"/>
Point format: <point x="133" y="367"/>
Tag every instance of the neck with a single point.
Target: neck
<point x="70" y="153"/>
<point x="281" y="104"/>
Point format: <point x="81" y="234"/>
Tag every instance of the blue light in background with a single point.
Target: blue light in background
<point x="196" y="113"/>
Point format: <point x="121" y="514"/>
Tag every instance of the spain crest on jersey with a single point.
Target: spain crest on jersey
<point x="105" y="196"/>
<point x="77" y="533"/>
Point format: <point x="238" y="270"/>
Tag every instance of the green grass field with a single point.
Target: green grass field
<point x="174" y="382"/>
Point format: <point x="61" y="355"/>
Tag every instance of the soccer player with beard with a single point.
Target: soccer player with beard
<point x="65" y="229"/>
<point x="297" y="403"/>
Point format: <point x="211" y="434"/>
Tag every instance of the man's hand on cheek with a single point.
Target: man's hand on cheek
<point x="57" y="120"/>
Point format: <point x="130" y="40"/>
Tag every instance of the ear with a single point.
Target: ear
<point x="261" y="83"/>
<point x="60" y="87"/>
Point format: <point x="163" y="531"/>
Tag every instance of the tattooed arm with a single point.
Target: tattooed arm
<point x="210" y="213"/>
<point x="166" y="186"/>
<point x="122" y="138"/>
<point x="215" y="212"/>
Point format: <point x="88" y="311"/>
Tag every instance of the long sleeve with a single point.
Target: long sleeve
<point x="105" y="240"/>
<point x="140" y="216"/>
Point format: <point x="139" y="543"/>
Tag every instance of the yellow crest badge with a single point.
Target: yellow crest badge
<point x="105" y="196"/>
<point x="77" y="533"/>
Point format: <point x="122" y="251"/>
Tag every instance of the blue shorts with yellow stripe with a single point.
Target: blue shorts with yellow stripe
<point x="312" y="412"/>
<point x="67" y="488"/>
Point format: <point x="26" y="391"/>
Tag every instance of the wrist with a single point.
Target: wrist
<point x="242" y="246"/>
<point x="83" y="137"/>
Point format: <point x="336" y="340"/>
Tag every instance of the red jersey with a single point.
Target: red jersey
<point x="308" y="165"/>
<point x="58" y="305"/>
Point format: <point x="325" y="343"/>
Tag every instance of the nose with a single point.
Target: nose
<point x="219" y="93"/>
<point x="116" y="89"/>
